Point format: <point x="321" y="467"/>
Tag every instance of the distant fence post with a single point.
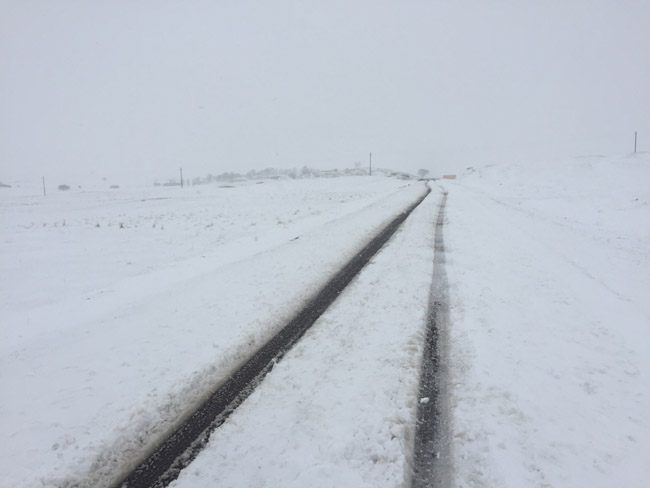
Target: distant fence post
<point x="44" y="194"/>
<point x="181" y="177"/>
<point x="635" y="141"/>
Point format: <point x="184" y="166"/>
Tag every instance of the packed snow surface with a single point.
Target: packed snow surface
<point x="121" y="310"/>
<point x="549" y="274"/>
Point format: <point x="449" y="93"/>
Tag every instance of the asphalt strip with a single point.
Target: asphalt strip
<point x="432" y="446"/>
<point x="176" y="452"/>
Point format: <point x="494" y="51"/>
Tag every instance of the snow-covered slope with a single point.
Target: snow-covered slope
<point x="549" y="271"/>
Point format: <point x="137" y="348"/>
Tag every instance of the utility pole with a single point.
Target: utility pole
<point x="181" y="177"/>
<point x="44" y="194"/>
<point x="370" y="170"/>
<point x="635" y="141"/>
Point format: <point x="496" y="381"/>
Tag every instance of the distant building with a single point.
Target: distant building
<point x="449" y="177"/>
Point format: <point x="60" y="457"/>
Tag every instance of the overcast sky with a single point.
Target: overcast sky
<point x="139" y="88"/>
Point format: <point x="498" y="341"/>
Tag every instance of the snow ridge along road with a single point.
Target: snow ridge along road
<point x="178" y="450"/>
<point x="432" y="454"/>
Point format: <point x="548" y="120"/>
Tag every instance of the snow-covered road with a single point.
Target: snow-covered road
<point x="339" y="409"/>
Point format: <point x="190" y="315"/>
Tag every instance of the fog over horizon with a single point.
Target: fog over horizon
<point x="136" y="90"/>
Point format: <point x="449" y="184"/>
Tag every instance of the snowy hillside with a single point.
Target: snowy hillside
<point x="549" y="271"/>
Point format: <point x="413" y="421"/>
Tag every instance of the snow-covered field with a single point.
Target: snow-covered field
<point x="549" y="272"/>
<point x="120" y="308"/>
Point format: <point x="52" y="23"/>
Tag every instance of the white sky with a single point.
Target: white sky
<point x="138" y="88"/>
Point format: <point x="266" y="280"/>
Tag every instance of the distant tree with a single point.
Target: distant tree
<point x="423" y="172"/>
<point x="64" y="187"/>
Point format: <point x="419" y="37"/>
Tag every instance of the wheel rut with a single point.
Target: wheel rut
<point x="432" y="446"/>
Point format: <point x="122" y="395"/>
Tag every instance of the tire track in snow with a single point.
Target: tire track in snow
<point x="431" y="456"/>
<point x="175" y="453"/>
